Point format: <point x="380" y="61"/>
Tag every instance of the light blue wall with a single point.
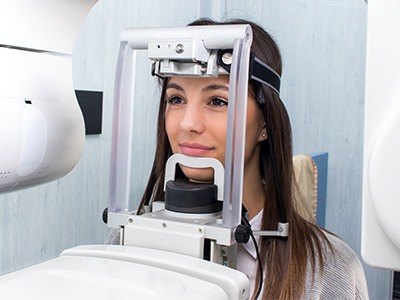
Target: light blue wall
<point x="323" y="46"/>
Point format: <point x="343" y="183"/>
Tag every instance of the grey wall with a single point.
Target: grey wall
<point x="323" y="47"/>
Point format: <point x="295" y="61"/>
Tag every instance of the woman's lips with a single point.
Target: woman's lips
<point x="194" y="149"/>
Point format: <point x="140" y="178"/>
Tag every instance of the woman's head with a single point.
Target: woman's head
<point x="199" y="132"/>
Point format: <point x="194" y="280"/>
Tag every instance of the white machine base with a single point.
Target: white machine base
<point x="124" y="272"/>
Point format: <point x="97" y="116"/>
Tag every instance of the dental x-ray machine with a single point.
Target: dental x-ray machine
<point x="163" y="252"/>
<point x="168" y="244"/>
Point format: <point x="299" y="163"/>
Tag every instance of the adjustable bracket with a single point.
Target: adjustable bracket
<point x="182" y="57"/>
<point x="282" y="231"/>
<point x="190" y="57"/>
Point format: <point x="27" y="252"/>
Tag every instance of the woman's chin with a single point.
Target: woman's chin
<point x="199" y="175"/>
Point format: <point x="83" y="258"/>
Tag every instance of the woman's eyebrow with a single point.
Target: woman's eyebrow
<point x="213" y="87"/>
<point x="174" y="86"/>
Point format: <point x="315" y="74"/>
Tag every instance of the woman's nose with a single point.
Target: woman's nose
<point x="192" y="120"/>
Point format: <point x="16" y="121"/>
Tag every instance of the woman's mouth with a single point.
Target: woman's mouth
<point x="194" y="149"/>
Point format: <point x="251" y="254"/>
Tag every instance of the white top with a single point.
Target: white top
<point x="247" y="256"/>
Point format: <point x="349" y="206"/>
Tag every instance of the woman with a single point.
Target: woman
<point x="310" y="263"/>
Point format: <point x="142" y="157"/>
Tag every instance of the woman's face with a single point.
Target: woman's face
<point x="196" y="120"/>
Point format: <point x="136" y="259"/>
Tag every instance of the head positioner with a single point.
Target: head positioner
<point x="182" y="51"/>
<point x="185" y="57"/>
<point x="189" y="51"/>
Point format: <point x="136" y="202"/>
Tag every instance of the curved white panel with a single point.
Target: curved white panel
<point x="34" y="140"/>
<point x="41" y="125"/>
<point x="383" y="173"/>
<point x="380" y="231"/>
<point x="41" y="139"/>
<point x="50" y="25"/>
<point x="11" y="112"/>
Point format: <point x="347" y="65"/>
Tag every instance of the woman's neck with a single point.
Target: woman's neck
<point x="253" y="190"/>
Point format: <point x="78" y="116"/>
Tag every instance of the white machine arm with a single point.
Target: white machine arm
<point x="41" y="125"/>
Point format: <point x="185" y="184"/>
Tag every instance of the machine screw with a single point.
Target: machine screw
<point x="130" y="220"/>
<point x="179" y="48"/>
<point x="164" y="225"/>
<point x="200" y="230"/>
<point x="227" y="58"/>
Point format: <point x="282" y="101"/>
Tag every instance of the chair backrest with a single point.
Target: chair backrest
<point x="310" y="173"/>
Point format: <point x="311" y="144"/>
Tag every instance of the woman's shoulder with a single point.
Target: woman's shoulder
<point x="342" y="274"/>
<point x="341" y="252"/>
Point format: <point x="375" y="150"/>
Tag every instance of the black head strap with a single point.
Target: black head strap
<point x="258" y="70"/>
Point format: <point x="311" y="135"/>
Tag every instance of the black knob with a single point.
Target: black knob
<point x="105" y="215"/>
<point x="242" y="234"/>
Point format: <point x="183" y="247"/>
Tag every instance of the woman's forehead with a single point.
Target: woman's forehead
<point x="198" y="82"/>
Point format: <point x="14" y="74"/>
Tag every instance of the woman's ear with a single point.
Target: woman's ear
<point x="263" y="134"/>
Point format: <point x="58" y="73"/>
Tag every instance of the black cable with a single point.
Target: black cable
<point x="260" y="269"/>
<point x="260" y="283"/>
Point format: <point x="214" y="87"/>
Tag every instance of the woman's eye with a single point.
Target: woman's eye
<point x="218" y="102"/>
<point x="175" y="100"/>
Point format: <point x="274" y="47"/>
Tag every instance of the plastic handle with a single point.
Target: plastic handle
<point x="197" y="163"/>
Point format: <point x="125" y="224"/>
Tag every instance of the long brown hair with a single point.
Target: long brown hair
<point x="284" y="259"/>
